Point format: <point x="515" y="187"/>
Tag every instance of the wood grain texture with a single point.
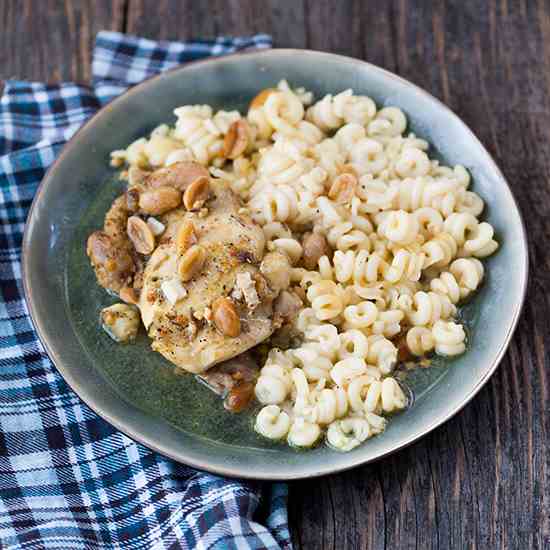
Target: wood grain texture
<point x="51" y="39"/>
<point x="482" y="480"/>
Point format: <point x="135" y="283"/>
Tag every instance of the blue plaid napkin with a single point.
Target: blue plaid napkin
<point x="68" y="479"/>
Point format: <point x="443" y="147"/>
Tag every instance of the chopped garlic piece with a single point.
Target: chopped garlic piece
<point x="156" y="227"/>
<point x="246" y="286"/>
<point x="173" y="290"/>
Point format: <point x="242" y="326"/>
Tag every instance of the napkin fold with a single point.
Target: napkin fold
<point x="68" y="479"/>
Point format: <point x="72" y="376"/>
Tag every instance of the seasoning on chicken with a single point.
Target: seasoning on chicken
<point x="232" y="248"/>
<point x="204" y="293"/>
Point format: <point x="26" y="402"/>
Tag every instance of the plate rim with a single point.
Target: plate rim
<point x="244" y="473"/>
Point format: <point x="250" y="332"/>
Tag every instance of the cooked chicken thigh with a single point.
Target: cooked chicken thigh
<point x="183" y="331"/>
<point x="202" y="290"/>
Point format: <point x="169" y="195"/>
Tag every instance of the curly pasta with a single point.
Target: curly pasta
<point x="420" y="340"/>
<point x="449" y="338"/>
<point x="202" y="131"/>
<point x="331" y="112"/>
<point x="429" y="307"/>
<point x="326" y="299"/>
<point x="463" y="278"/>
<point x="415" y="193"/>
<point x="388" y="123"/>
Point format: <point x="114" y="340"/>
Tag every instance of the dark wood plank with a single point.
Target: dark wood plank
<point x="52" y="39"/>
<point x="189" y="18"/>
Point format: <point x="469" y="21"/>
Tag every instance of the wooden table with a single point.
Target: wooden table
<point x="483" y="479"/>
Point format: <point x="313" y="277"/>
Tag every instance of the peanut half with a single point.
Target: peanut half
<point x="315" y="246"/>
<point x="196" y="194"/>
<point x="261" y="98"/>
<point x="186" y="237"/>
<point x="236" y="140"/>
<point x="225" y="317"/>
<point x="132" y="198"/>
<point x="141" y="235"/>
<point x="191" y="262"/>
<point x="343" y="188"/>
<point x="160" y="200"/>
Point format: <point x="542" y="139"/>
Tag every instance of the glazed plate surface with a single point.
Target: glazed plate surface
<point x="137" y="390"/>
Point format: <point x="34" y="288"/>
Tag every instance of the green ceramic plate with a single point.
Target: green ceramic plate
<point x="135" y="389"/>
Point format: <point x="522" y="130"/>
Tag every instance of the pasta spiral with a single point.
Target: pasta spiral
<point x="331" y="112"/>
<point x="429" y="307"/>
<point x="201" y="131"/>
<point x="272" y="422"/>
<point x="382" y="353"/>
<point x="440" y="250"/>
<point x="420" y="340"/>
<point x="463" y="277"/>
<point x="449" y="338"/>
<point x="384" y="396"/>
<point x="412" y="194"/>
<point x="398" y="226"/>
<point x="476" y="239"/>
<point x="326" y="299"/>
<point x="273" y="385"/>
<point x="326" y="406"/>
<point x="389" y="122"/>
<point x="347" y="434"/>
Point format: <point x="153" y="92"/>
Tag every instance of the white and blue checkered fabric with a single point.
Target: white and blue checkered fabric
<point x="69" y="480"/>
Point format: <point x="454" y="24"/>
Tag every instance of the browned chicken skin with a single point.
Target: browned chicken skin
<point x="110" y="250"/>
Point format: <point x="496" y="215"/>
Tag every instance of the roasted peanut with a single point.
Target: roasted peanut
<point x="236" y="140"/>
<point x="196" y="194"/>
<point x="343" y="188"/>
<point x="239" y="396"/>
<point x="160" y="200"/>
<point x="261" y="98"/>
<point x="191" y="262"/>
<point x="129" y="295"/>
<point x="186" y="236"/>
<point x="141" y="235"/>
<point x="315" y="246"/>
<point x="225" y="317"/>
<point x="179" y="175"/>
<point x="121" y="322"/>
